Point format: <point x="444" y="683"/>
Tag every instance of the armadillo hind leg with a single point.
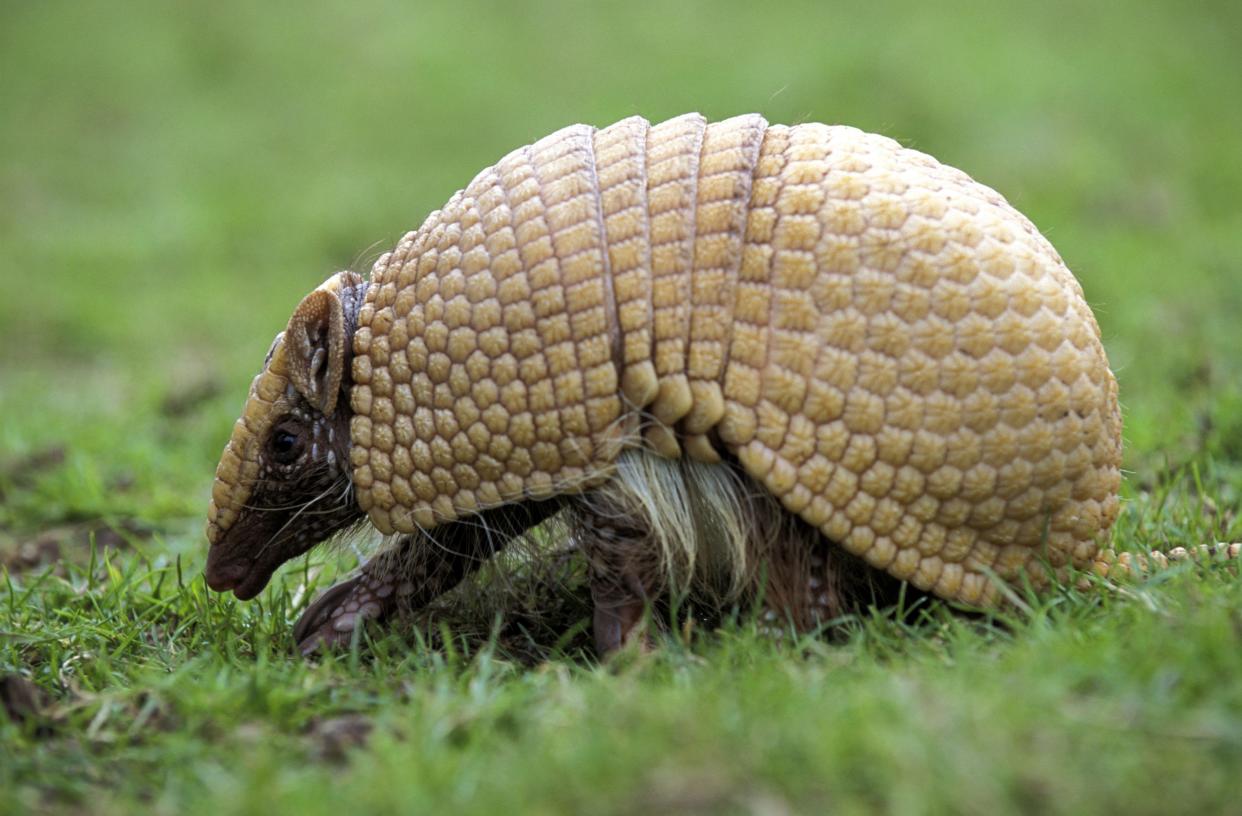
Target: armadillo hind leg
<point x="805" y="581"/>
<point x="414" y="572"/>
<point x="621" y="570"/>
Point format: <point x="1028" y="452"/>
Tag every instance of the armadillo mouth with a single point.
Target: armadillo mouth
<point x="254" y="583"/>
<point x="245" y="578"/>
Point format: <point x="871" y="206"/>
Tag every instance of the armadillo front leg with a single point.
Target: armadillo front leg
<point x="413" y="573"/>
<point x="379" y="590"/>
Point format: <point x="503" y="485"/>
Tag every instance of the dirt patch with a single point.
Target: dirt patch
<point x="682" y="790"/>
<point x="21" y="471"/>
<point x="24" y="703"/>
<point x="332" y="737"/>
<point x="72" y="542"/>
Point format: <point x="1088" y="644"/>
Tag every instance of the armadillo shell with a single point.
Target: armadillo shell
<point x="886" y="345"/>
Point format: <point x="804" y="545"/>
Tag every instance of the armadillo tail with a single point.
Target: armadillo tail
<point x="1112" y="564"/>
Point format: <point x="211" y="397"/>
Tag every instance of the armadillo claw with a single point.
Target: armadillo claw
<point x="329" y="622"/>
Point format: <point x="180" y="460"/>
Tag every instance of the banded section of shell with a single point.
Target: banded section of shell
<point x="886" y="345"/>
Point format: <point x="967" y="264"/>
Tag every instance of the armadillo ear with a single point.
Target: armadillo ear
<point x="315" y="345"/>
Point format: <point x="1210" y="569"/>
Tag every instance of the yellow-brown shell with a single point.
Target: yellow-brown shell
<point x="239" y="463"/>
<point x="885" y="344"/>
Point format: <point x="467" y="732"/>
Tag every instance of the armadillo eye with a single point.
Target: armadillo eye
<point x="285" y="446"/>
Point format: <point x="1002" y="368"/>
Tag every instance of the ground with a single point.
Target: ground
<point x="174" y="180"/>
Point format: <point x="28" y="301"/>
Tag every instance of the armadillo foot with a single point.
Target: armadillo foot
<point x="329" y="622"/>
<point x="618" y="619"/>
<point x="803" y="594"/>
<point x="615" y="554"/>
<point x="799" y="593"/>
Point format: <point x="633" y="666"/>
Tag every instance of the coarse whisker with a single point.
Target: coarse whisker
<point x="440" y="545"/>
<point x="366" y="257"/>
<point x="340" y="480"/>
<point x="271" y="508"/>
<point x="300" y="512"/>
<point x="352" y="536"/>
<point x="327" y="510"/>
<point x="309" y="474"/>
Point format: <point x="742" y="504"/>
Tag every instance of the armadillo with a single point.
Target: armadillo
<point x="727" y="348"/>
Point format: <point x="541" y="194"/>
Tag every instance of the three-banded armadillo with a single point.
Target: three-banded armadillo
<point x="727" y="348"/>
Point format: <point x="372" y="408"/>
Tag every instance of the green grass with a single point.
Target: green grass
<point x="173" y="179"/>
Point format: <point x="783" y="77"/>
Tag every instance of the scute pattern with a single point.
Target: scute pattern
<point x="914" y="370"/>
<point x="886" y="345"/>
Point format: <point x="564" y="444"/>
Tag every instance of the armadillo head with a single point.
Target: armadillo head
<point x="283" y="482"/>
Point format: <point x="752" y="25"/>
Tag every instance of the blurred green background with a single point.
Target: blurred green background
<point x="174" y="176"/>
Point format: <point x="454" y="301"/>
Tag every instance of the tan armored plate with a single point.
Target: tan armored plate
<point x="885" y="344"/>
